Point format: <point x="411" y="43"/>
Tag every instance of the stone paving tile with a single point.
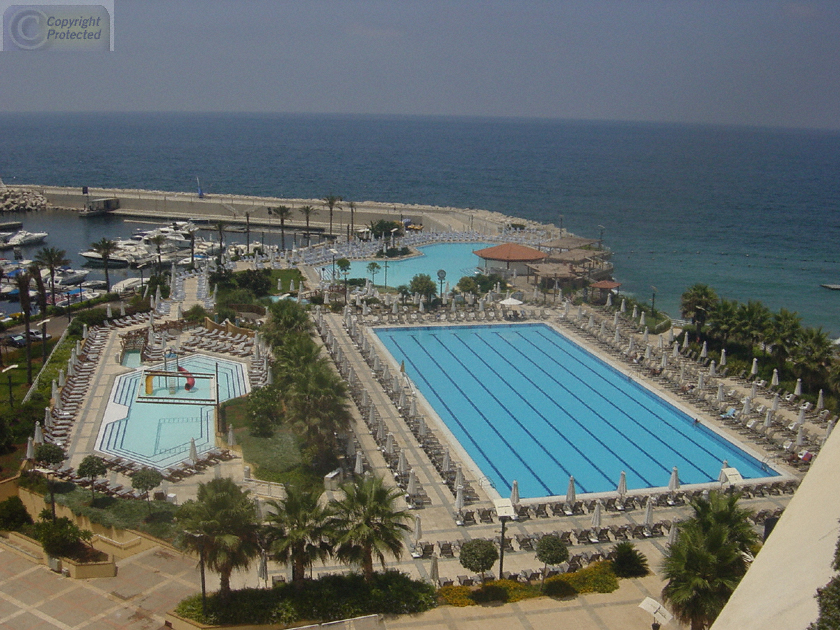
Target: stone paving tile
<point x="76" y="606"/>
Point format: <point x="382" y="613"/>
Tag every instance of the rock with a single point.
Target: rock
<point x="21" y="200"/>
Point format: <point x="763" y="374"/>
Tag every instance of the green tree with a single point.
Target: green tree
<point x="221" y="525"/>
<point x="696" y="303"/>
<point x="92" y="467"/>
<point x="219" y="226"/>
<point x="308" y="212"/>
<point x="332" y="202"/>
<point x="367" y="523"/>
<point x="50" y="455"/>
<point x="478" y="555"/>
<point x="298" y="531"/>
<point x="344" y="267"/>
<point x="52" y="258"/>
<point x="381" y="228"/>
<point x="467" y="284"/>
<point x="373" y="269"/>
<point x="13" y="515"/>
<point x="40" y="287"/>
<point x="145" y="480"/>
<point x="813" y="356"/>
<point x="106" y="248"/>
<point x="423" y="284"/>
<point x="550" y="550"/>
<point x="783" y="335"/>
<point x="353" y="219"/>
<point x="22" y="281"/>
<point x="404" y="292"/>
<point x="282" y="213"/>
<point x="264" y="411"/>
<point x="629" y="562"/>
<point x="157" y="240"/>
<point x="722" y="508"/>
<point x="61" y="537"/>
<point x="753" y="321"/>
<point x="723" y="320"/>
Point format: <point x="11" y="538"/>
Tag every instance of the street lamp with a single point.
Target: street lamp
<point x="386" y="273"/>
<point x="44" y="341"/>
<point x="333" y="252"/>
<point x="200" y="536"/>
<point x="505" y="512"/>
<point x="11" y="397"/>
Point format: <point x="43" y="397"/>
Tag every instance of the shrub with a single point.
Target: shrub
<point x="456" y="595"/>
<point x="598" y="577"/>
<point x="558" y="586"/>
<point x="13" y="515"/>
<point x="61" y="537"/>
<point x="478" y="555"/>
<point x="628" y="561"/>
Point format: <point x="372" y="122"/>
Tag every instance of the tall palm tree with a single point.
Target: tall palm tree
<point x="368" y="523"/>
<point x="22" y="280"/>
<point x="105" y="247"/>
<point x="51" y="258"/>
<point x="221" y="525"/>
<point x="813" y="356"/>
<point x="352" y="219"/>
<point x="35" y="272"/>
<point x="697" y="302"/>
<point x="723" y="320"/>
<point x="157" y="240"/>
<point x="307" y="212"/>
<point x="702" y="568"/>
<point x="332" y="202"/>
<point x="282" y="213"/>
<point x="784" y="333"/>
<point x="753" y="321"/>
<point x="297" y="532"/>
<point x="721" y="508"/>
<point x="315" y="405"/>
<point x="219" y="226"/>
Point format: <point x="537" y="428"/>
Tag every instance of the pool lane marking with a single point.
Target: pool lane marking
<point x="639" y="403"/>
<point x="470" y="402"/>
<point x="554" y="404"/>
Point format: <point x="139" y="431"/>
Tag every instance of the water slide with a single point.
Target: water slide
<point x="150" y="388"/>
<point x="190" y="379"/>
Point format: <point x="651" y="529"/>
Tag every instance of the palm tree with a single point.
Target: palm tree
<point x="157" y="240"/>
<point x="813" y="356"/>
<point x="368" y="523"/>
<point x="315" y="405"/>
<point x="105" y="248"/>
<point x="352" y="219"/>
<point x="723" y="320"/>
<point x="35" y="272"/>
<point x="51" y="258"/>
<point x="219" y="226"/>
<point x="332" y="203"/>
<point x="283" y="213"/>
<point x="307" y="212"/>
<point x="221" y="525"/>
<point x="721" y="508"/>
<point x="697" y="302"/>
<point x="784" y="333"/>
<point x="753" y="321"/>
<point x="297" y="532"/>
<point x="373" y="268"/>
<point x="702" y="568"/>
<point x="22" y="281"/>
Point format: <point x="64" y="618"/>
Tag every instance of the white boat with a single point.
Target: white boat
<point x="129" y="284"/>
<point x="65" y="276"/>
<point x="75" y="296"/>
<point x="24" y="238"/>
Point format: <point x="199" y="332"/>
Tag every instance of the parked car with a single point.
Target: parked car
<point x="17" y="341"/>
<point x="35" y="336"/>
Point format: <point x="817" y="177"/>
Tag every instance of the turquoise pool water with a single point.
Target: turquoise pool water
<point x="158" y="434"/>
<point x="132" y="359"/>
<point x="528" y="404"/>
<point x="457" y="259"/>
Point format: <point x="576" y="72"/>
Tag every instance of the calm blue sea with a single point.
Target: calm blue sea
<point x="753" y="212"/>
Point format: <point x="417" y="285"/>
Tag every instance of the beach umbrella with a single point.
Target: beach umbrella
<point x="664" y="363"/>
<point x="623" y="307"/>
<point x="712" y="372"/>
<point x="646" y="335"/>
<point x="30" y="448"/>
<point x="364" y="398"/>
<point x="608" y="304"/>
<point x="747" y="406"/>
<point x="359" y="468"/>
<point x="108" y="313"/>
<point x="829" y="428"/>
<point x="57" y="405"/>
<point x="675" y="351"/>
<point x="389" y="444"/>
<point x="421" y="308"/>
<point x="649" y="512"/>
<point x="754" y="369"/>
<point x="591" y="322"/>
<point x="672" y="533"/>
<point x="603" y="328"/>
<point x="801" y="419"/>
<point x="447" y="461"/>
<point x="596" y="514"/>
<point x="422" y="429"/>
<point x="398" y="386"/>
<point x="647" y="352"/>
<point x="372" y="417"/>
<point x="566" y="308"/>
<point x="514" y="493"/>
<point x="418" y="530"/>
<point x="571" y="495"/>
<point x="622" y="485"/>
<point x="768" y="419"/>
<point x="642" y="319"/>
<point x="412" y="408"/>
<point x="774" y="380"/>
<point x="376" y="365"/>
<point x="122" y="309"/>
<point x="723" y="357"/>
<point x="722" y="478"/>
<point x="775" y="406"/>
<point x="754" y="391"/>
<point x="617" y="338"/>
<point x="685" y="341"/>
<point x="820" y="401"/>
<point x="700" y="383"/>
<point x="635" y="312"/>
<point x="661" y="342"/>
<point x="720" y="394"/>
<point x="454" y="306"/>
<point x="459" y="476"/>
<point x="402" y="463"/>
<point x="178" y="313"/>
<point x="401" y="402"/>
<point x="411" y="490"/>
<point x="193" y="451"/>
<point x="48" y="419"/>
<point x="800" y="436"/>
<point x="615" y="319"/>
<point x="84" y="331"/>
<point x="631" y="346"/>
<point x="674" y="482"/>
<point x="459" y="499"/>
<point x="395" y="308"/>
<point x="39" y="434"/>
<point x="670" y="335"/>
<point x="434" y="571"/>
<point x="54" y="392"/>
<point x="797" y="391"/>
<point x="704" y="351"/>
<point x="262" y="569"/>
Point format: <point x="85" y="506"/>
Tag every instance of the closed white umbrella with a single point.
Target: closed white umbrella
<point x="422" y="430"/>
<point x="418" y="530"/>
<point x="635" y="312"/>
<point x="39" y="434"/>
<point x="801" y="419"/>
<point x="380" y="431"/>
<point x="675" y="352"/>
<point x="596" y="514"/>
<point x="603" y="328"/>
<point x="402" y="464"/>
<point x="754" y="391"/>
<point x="631" y="346"/>
<point x="622" y="485"/>
<point x="768" y="419"/>
<point x="434" y="571"/>
<point x="571" y="494"/>
<point x="617" y="337"/>
<point x="386" y="374"/>
<point x="608" y="303"/>
<point x="412" y="483"/>
<point x="775" y="406"/>
<point x="459" y="499"/>
<point x="661" y="342"/>
<point x="647" y="352"/>
<point x="704" y="351"/>
<point x="747" y="406"/>
<point x="122" y="309"/>
<point x="720" y="394"/>
<point x="421" y="308"/>
<point x="412" y="409"/>
<point x="193" y="451"/>
<point x="566" y="308"/>
<point x="646" y="335"/>
<point x="401" y="403"/>
<point x="615" y="319"/>
<point x="774" y="380"/>
<point x="820" y="401"/>
<point x="685" y="341"/>
<point x="591" y="322"/>
<point x="447" y="461"/>
<point x="48" y="419"/>
<point x="642" y="319"/>
<point x="359" y="468"/>
<point x="798" y="389"/>
<point x="673" y="533"/>
<point x="454" y="308"/>
<point x="54" y="391"/>
<point x="754" y="368"/>
<point x="800" y="436"/>
<point x="459" y="476"/>
<point x="389" y="444"/>
<point x="648" y="522"/>
<point x="700" y="381"/>
<point x="514" y="492"/>
<point x="108" y="313"/>
<point x="723" y="357"/>
<point x="712" y="369"/>
<point x="664" y="362"/>
<point x="674" y="481"/>
<point x="829" y="428"/>
<point x="30" y="448"/>
<point x="623" y="308"/>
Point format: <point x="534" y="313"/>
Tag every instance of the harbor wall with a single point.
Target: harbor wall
<point x="234" y="208"/>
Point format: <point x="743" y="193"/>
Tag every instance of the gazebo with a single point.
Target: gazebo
<point x="603" y="287"/>
<point x="516" y="257"/>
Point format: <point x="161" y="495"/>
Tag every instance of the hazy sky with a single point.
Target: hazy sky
<point x="760" y="62"/>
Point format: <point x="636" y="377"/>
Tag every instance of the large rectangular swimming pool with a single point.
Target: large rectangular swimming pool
<point x="527" y="403"/>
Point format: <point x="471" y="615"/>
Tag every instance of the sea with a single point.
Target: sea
<point x="752" y="212"/>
